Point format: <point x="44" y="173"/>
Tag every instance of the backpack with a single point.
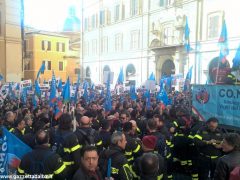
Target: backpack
<point x="87" y="138"/>
<point x="37" y="166"/>
<point x="58" y="141"/>
<point x="235" y="174"/>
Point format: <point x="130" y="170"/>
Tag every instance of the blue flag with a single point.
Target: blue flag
<point x="34" y="100"/>
<point x="24" y="95"/>
<point x="148" y="100"/>
<point x="108" y="100"/>
<point x="186" y="37"/>
<point x="92" y="93"/>
<point x="120" y="77"/>
<point x="109" y="168"/>
<point x="41" y="70"/>
<point x="77" y="89"/>
<point x="66" y="91"/>
<point x="133" y="95"/>
<point x="151" y="77"/>
<point x="162" y="96"/>
<point x="18" y="86"/>
<point x="236" y="60"/>
<point x="11" y="92"/>
<point x="60" y="85"/>
<point x="58" y="109"/>
<point x="223" y="43"/>
<point x="53" y="89"/>
<point x="166" y="82"/>
<point x="188" y="80"/>
<point x="1" y="77"/>
<point x="85" y="93"/>
<point x="12" y="150"/>
<point x="37" y="89"/>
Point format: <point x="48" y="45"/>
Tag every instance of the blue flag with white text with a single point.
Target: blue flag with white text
<point x="12" y="150"/>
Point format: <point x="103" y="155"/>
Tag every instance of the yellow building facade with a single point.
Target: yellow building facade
<point x="53" y="50"/>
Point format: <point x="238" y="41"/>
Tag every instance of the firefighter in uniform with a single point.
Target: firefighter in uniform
<point x="51" y="163"/>
<point x="208" y="142"/>
<point x="133" y="148"/>
<point x="9" y="121"/>
<point x="181" y="148"/>
<point x="230" y="79"/>
<point x="19" y="130"/>
<point x="86" y="132"/>
<point x="70" y="145"/>
<point x="196" y="125"/>
<point x="120" y="169"/>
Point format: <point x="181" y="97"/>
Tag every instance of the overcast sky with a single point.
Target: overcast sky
<point x="48" y="14"/>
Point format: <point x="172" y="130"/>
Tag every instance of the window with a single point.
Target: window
<point x="116" y="13"/>
<point x="123" y="11"/>
<point x="27" y="66"/>
<point x="60" y="66"/>
<point x="168" y="36"/>
<point x="60" y="47"/>
<point x="94" y="47"/>
<point x="214" y="24"/>
<point x="86" y="48"/>
<point x="163" y="3"/>
<point x="108" y="16"/>
<point x="46" y="45"/>
<point x="102" y="17"/>
<point x="25" y="47"/>
<point x="135" y="7"/>
<point x="86" y="24"/>
<point x="47" y="64"/>
<point x="118" y="42"/>
<point x="135" y="39"/>
<point x="88" y="72"/>
<point x="104" y="45"/>
<point x="93" y="21"/>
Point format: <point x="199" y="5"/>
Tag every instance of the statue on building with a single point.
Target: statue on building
<point x="72" y="22"/>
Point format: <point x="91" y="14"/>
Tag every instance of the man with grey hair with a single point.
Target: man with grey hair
<point x="120" y="169"/>
<point x="9" y="121"/>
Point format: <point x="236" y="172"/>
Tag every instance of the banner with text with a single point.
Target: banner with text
<point x="220" y="101"/>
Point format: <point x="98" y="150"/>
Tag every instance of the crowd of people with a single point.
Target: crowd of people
<point x="131" y="141"/>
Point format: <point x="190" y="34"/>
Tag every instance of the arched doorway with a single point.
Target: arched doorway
<point x="106" y="68"/>
<point x="130" y="74"/>
<point x="88" y="72"/>
<point x="168" y="68"/>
